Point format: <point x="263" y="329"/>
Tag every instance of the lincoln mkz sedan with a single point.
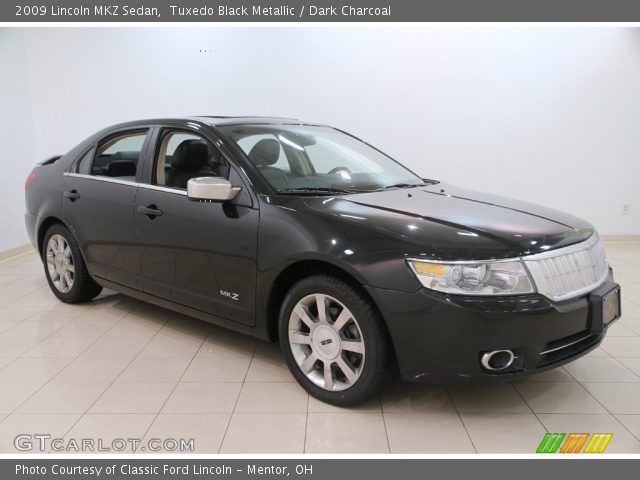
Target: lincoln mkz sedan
<point x="306" y="235"/>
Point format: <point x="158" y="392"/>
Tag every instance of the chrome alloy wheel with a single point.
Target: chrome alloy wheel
<point x="60" y="263"/>
<point x="326" y="342"/>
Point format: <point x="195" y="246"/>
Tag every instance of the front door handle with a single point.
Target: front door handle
<point x="72" y="195"/>
<point x="150" y="211"/>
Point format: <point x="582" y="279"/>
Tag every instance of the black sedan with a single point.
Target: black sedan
<point x="305" y="234"/>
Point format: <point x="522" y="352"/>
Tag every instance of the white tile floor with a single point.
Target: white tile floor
<point x="119" y="368"/>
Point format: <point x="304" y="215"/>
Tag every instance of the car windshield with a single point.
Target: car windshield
<point x="317" y="160"/>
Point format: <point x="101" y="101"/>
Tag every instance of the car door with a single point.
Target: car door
<point x="98" y="205"/>
<point x="198" y="254"/>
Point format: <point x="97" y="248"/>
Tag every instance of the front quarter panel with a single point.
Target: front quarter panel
<point x="291" y="231"/>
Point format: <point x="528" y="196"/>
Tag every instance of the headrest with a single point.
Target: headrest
<point x="121" y="168"/>
<point x="265" y="152"/>
<point x="190" y="155"/>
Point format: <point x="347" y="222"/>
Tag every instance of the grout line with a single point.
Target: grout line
<point x="81" y="415"/>
<point x="204" y="339"/>
<point x="461" y="419"/>
<point x="617" y="359"/>
<point x="384" y="423"/>
<point x="110" y="384"/>
<point x="22" y="355"/>
<point x="40" y="309"/>
<point x="235" y="405"/>
<point x="306" y="425"/>
<point x="531" y="408"/>
<point x="601" y="404"/>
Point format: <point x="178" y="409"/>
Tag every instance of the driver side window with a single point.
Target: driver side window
<point x="185" y="155"/>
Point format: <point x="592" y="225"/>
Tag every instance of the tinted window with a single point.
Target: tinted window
<point x="84" y="165"/>
<point x="247" y="144"/>
<point x="295" y="157"/>
<point x="184" y="155"/>
<point x="118" y="156"/>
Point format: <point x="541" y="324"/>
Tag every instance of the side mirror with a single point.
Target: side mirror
<point x="212" y="189"/>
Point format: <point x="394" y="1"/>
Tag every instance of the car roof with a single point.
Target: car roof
<point x="218" y="120"/>
<point x="248" y="120"/>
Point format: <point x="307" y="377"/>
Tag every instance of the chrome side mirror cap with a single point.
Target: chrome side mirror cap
<point x="211" y="189"/>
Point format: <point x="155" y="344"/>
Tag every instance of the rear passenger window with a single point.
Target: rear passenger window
<point x="117" y="156"/>
<point x="84" y="165"/>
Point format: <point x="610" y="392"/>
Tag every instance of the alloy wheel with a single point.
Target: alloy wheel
<point x="60" y="263"/>
<point x="326" y="342"/>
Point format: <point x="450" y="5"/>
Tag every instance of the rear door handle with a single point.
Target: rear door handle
<point x="150" y="211"/>
<point x="72" y="195"/>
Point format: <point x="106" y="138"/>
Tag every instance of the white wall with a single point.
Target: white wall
<point x="17" y="137"/>
<point x="550" y="115"/>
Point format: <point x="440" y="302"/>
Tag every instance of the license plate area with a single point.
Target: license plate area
<point x="605" y="306"/>
<point x="611" y="307"/>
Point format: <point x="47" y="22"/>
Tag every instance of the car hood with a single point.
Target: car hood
<point x="451" y="221"/>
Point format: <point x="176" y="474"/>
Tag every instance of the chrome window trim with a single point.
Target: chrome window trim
<point x="160" y="188"/>
<point x="101" y="178"/>
<point x="126" y="182"/>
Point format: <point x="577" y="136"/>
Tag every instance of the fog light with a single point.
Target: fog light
<point x="497" y="360"/>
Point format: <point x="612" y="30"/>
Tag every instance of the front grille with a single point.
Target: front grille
<point x="571" y="271"/>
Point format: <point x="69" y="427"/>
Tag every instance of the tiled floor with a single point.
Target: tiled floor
<point x="118" y="369"/>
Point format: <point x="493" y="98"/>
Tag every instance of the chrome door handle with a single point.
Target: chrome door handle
<point x="150" y="211"/>
<point x="72" y="195"/>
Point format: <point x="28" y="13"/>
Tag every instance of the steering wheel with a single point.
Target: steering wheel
<point x="335" y="170"/>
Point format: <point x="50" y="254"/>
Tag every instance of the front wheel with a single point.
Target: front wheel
<point x="64" y="267"/>
<point x="334" y="341"/>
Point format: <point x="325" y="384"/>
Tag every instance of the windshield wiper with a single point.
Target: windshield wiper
<point x="403" y="185"/>
<point x="328" y="190"/>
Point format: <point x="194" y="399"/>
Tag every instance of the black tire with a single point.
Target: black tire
<point x="83" y="287"/>
<point x="378" y="360"/>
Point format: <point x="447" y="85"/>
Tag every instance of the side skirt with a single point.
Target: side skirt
<point x="176" y="307"/>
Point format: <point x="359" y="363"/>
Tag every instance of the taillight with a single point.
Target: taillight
<point x="30" y="178"/>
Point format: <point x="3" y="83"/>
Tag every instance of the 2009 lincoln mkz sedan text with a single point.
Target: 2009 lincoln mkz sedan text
<point x="306" y="235"/>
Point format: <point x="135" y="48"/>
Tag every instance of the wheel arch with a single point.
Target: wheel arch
<point x="45" y="225"/>
<point x="303" y="269"/>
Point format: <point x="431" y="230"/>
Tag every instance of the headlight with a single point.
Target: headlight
<point x="480" y="278"/>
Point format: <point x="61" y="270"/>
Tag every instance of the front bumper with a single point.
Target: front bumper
<point x="441" y="338"/>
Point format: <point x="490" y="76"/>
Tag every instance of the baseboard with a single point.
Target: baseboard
<point x="14" y="252"/>
<point x="620" y="238"/>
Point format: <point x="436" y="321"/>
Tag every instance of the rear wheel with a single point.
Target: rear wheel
<point x="65" y="269"/>
<point x="334" y="341"/>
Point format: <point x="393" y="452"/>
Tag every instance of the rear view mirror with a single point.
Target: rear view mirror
<point x="213" y="189"/>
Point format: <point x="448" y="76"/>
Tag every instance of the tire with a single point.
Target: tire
<point x="354" y="358"/>
<point x="65" y="269"/>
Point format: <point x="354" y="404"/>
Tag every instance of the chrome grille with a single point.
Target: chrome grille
<point x="571" y="271"/>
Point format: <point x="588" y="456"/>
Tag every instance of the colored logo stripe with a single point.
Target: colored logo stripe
<point x="598" y="442"/>
<point x="573" y="443"/>
<point x="550" y="443"/>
